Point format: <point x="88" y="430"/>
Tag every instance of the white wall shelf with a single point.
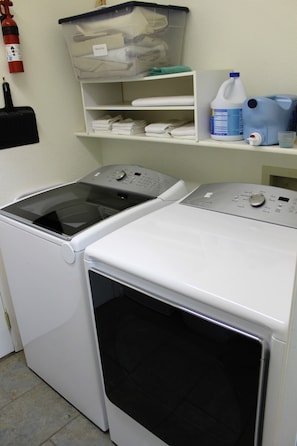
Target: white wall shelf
<point x="139" y="137"/>
<point x="242" y="145"/>
<point x="115" y="97"/>
<point x="232" y="145"/>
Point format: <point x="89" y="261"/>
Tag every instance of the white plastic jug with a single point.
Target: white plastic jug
<point x="226" y="110"/>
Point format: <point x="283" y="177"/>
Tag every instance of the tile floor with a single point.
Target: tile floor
<point x="33" y="414"/>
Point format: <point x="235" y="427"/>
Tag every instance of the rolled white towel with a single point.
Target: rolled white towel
<point x="159" y="101"/>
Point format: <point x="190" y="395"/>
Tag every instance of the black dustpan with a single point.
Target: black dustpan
<point x="17" y="124"/>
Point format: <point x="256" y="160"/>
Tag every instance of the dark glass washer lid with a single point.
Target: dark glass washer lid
<point x="69" y="209"/>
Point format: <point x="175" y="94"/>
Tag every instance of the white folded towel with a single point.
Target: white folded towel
<point x="158" y="101"/>
<point x="163" y="128"/>
<point x="158" y="135"/>
<point x="132" y="131"/>
<point x="104" y="123"/>
<point x="128" y="126"/>
<point x="128" y="123"/>
<point x="186" y="131"/>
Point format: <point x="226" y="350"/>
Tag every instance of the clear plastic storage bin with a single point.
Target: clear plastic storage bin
<point x="126" y="40"/>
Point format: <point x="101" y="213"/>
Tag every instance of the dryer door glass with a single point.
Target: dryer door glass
<point x="69" y="209"/>
<point x="186" y="379"/>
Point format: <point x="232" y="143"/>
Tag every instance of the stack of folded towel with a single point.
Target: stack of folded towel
<point x="163" y="129"/>
<point x="128" y="126"/>
<point x="104" y="123"/>
<point x="186" y="131"/>
<point x="175" y="128"/>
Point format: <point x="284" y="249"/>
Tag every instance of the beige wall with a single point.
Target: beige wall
<point x="47" y="85"/>
<point x="249" y="37"/>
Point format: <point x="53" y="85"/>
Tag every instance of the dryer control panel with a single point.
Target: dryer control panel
<point x="259" y="202"/>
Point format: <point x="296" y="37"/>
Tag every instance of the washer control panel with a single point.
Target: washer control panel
<point x="259" y="202"/>
<point x="131" y="178"/>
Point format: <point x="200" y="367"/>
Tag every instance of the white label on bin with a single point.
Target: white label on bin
<point x="100" y="50"/>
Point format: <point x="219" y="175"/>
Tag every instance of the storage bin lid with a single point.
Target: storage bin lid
<point x="124" y="8"/>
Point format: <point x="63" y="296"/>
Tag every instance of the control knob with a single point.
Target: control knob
<point x="257" y="200"/>
<point x="120" y="175"/>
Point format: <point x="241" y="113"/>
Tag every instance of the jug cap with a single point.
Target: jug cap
<point x="255" y="139"/>
<point x="234" y="74"/>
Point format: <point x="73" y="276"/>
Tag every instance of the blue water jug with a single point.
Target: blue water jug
<point x="263" y="117"/>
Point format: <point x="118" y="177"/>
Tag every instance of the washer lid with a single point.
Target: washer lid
<point x="68" y="210"/>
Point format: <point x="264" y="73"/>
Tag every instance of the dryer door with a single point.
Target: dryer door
<point x="186" y="378"/>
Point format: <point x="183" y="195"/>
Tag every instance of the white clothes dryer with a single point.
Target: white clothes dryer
<point x="196" y="320"/>
<point x="43" y="238"/>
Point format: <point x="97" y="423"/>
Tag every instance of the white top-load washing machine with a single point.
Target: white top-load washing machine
<point x="43" y="238"/>
<point x="196" y="321"/>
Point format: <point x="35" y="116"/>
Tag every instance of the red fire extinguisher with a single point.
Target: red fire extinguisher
<point x="11" y="39"/>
